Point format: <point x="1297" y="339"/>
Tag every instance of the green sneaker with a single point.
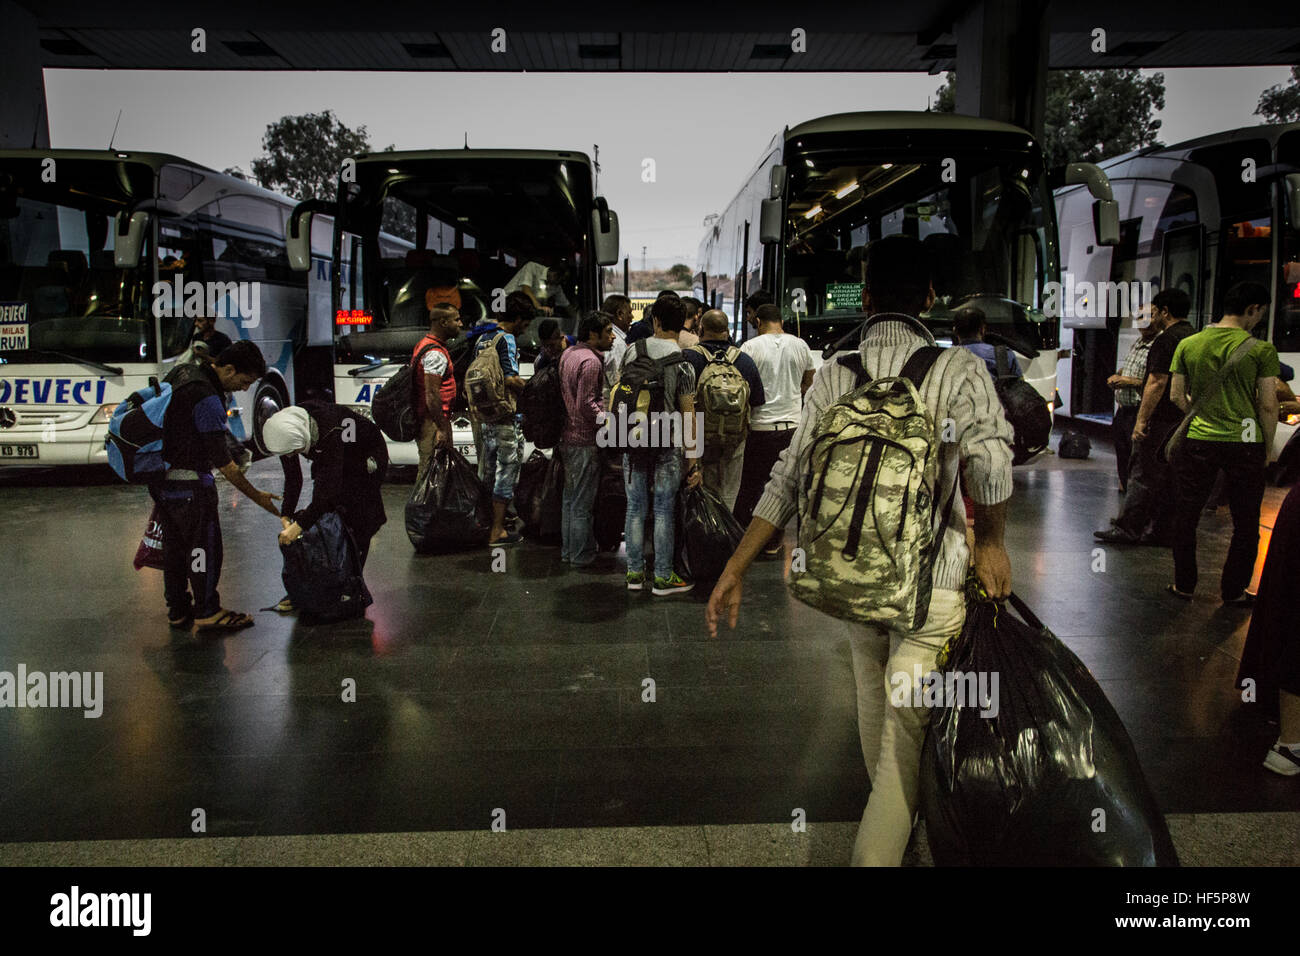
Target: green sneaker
<point x="635" y="582"/>
<point x="672" y="585"/>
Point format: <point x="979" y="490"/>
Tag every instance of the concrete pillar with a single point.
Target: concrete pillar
<point x="22" y="105"/>
<point x="1002" y="62"/>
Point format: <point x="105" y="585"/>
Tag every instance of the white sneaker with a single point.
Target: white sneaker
<point x="1283" y="760"/>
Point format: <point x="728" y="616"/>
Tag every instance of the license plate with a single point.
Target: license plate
<point x="19" y="451"/>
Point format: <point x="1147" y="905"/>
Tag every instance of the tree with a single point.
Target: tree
<point x="305" y="153"/>
<point x="680" y="274"/>
<point x="1090" y="115"/>
<point x="1281" y="103"/>
<point x="236" y="172"/>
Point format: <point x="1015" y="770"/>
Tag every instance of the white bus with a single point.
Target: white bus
<point x="974" y="192"/>
<point x="1199" y="216"/>
<point x="91" y="244"/>
<point x="474" y="217"/>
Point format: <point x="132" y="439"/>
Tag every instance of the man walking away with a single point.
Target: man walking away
<point x="957" y="388"/>
<point x="503" y="436"/>
<point x="1127" y="385"/>
<point x="721" y="468"/>
<point x="968" y="327"/>
<point x="1233" y="429"/>
<point x="582" y="384"/>
<point x="435" y="384"/>
<point x="644" y="328"/>
<point x="194" y="442"/>
<point x="655" y="485"/>
<point x="1150" y="496"/>
<point x="785" y="364"/>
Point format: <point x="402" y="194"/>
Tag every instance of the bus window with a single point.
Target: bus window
<point x="1245" y="255"/>
<point x="1181" y="268"/>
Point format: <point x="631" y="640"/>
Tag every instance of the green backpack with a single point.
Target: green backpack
<point x="867" y="501"/>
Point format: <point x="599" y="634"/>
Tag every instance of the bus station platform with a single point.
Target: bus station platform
<point x="518" y="698"/>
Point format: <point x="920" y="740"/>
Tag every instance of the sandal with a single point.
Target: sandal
<point x="224" y="621"/>
<point x="181" y="624"/>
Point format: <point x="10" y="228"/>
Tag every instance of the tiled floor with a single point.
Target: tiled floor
<point x="522" y="692"/>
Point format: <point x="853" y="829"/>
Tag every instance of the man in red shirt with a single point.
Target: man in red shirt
<point x="435" y="383"/>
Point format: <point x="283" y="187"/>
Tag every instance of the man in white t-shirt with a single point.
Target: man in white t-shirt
<point x="785" y="364"/>
<point x="538" y="282"/>
<point x="619" y="309"/>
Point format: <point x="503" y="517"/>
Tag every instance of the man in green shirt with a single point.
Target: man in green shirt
<point x="1232" y="431"/>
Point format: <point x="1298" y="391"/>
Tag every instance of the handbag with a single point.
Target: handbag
<point x="150" y="552"/>
<point x="1173" y="441"/>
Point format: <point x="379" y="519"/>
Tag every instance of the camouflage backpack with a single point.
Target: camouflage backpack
<point x="867" y="501"/>
<point x="489" y="398"/>
<point x="722" y="395"/>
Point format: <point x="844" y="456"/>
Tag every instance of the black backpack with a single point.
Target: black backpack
<point x="542" y="405"/>
<point x="1025" y="409"/>
<point x="1074" y="445"/>
<point x="639" y="390"/>
<point x="393" y="407"/>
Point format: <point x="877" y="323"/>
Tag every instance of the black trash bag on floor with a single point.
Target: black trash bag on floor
<point x="707" y="534"/>
<point x="322" y="572"/>
<point x="610" y="510"/>
<point x="539" y="498"/>
<point x="449" y="510"/>
<point x="1023" y="785"/>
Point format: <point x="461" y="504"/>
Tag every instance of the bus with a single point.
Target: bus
<point x="1199" y="216"/>
<point x="106" y="258"/>
<point x="974" y="191"/>
<point x="476" y="218"/>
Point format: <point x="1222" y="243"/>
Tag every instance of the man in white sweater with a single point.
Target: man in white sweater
<point x="977" y="440"/>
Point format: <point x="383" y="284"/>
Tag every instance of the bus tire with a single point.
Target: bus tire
<point x="269" y="398"/>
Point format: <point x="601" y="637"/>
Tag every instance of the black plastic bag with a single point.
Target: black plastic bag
<point x="449" y="510"/>
<point x="1026" y="411"/>
<point x="322" y="572"/>
<point x="1074" y="444"/>
<point x="539" y="498"/>
<point x="1023" y="785"/>
<point x="610" y="509"/>
<point x="707" y="534"/>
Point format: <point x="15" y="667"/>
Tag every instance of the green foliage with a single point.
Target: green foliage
<point x="1090" y="115"/>
<point x="680" y="273"/>
<point x="305" y="153"/>
<point x="1281" y="103"/>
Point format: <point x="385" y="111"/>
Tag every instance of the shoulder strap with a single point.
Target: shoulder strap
<point x="919" y="364"/>
<point x="732" y="353"/>
<point x="1004" y="366"/>
<point x="853" y="362"/>
<point x="1239" y="353"/>
<point x="420" y="354"/>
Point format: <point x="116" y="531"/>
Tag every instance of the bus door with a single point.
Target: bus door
<point x="1182" y="266"/>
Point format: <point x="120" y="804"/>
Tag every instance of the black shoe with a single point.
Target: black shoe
<point x="1154" y="541"/>
<point x="1171" y="589"/>
<point x="1244" y="599"/>
<point x="1116" y="535"/>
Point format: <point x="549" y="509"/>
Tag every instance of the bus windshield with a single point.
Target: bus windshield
<point x="473" y="227"/>
<point x="57" y="275"/>
<point x="984" y="214"/>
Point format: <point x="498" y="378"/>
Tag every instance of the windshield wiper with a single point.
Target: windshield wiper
<point x="89" y="363"/>
<point x="365" y="369"/>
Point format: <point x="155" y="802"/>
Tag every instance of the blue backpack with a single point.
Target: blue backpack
<point x="135" y="434"/>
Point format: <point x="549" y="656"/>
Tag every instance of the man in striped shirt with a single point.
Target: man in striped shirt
<point x="1127" y="384"/>
<point x="977" y="441"/>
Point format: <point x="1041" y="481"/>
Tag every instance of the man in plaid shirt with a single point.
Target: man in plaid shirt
<point x="1127" y="385"/>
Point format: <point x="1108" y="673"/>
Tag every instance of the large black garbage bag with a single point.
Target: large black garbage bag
<point x="1023" y="784"/>
<point x="539" y="497"/>
<point x="610" y="509"/>
<point x="322" y="572"/>
<point x="707" y="534"/>
<point x="449" y="510"/>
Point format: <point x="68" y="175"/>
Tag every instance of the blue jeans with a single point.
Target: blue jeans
<point x="581" y="478"/>
<point x="667" y="479"/>
<point x="503" y="454"/>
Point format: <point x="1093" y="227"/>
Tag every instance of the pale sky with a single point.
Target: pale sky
<point x="704" y="131"/>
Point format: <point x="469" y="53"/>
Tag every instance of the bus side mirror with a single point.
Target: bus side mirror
<point x="297" y="237"/>
<point x="604" y="231"/>
<point x="769" y="221"/>
<point x="1105" y="222"/>
<point x="1293" y="198"/>
<point x="129" y="238"/>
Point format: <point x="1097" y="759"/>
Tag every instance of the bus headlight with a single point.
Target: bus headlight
<point x="104" y="415"/>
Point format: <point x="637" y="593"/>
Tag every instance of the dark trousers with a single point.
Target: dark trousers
<point x="762" y="451"/>
<point x="1150" y="499"/>
<point x="191" y="545"/>
<point x="1196" y="465"/>
<point x="1126" y="417"/>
